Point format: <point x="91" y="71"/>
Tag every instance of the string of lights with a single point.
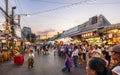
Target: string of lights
<point x="51" y="2"/>
<point x="2" y="16"/>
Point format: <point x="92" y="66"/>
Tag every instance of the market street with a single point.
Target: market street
<point x="44" y="65"/>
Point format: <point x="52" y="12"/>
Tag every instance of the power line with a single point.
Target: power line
<point x="4" y="12"/>
<point x="51" y="2"/>
<point x="73" y="4"/>
<point x="2" y="4"/>
<point x="65" y="6"/>
<point x="10" y="3"/>
<point x="103" y="3"/>
<point x="20" y="8"/>
<point x="2" y="15"/>
<point x="22" y="11"/>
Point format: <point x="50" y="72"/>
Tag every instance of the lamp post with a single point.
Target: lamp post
<point x="19" y="17"/>
<point x="12" y="22"/>
<point x="6" y="31"/>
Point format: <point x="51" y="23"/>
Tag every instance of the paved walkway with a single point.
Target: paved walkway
<point x="44" y="65"/>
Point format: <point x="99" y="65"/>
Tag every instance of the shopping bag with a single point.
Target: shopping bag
<point x="64" y="68"/>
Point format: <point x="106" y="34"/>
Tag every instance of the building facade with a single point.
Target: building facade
<point x="25" y="31"/>
<point x="89" y="30"/>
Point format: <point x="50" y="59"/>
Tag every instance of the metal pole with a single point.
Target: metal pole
<point x="13" y="30"/>
<point x="4" y="12"/>
<point x="6" y="25"/>
<point x="12" y="22"/>
<point x="19" y="17"/>
<point x="7" y="10"/>
<point x="13" y="14"/>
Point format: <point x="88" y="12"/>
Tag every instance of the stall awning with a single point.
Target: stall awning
<point x="114" y="26"/>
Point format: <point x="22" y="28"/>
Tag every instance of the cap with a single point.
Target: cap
<point x="116" y="48"/>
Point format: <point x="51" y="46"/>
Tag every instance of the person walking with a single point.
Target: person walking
<point x="115" y="54"/>
<point x="68" y="62"/>
<point x="75" y="56"/>
<point x="31" y="59"/>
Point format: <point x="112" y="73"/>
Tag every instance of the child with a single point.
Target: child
<point x="31" y="59"/>
<point x="68" y="63"/>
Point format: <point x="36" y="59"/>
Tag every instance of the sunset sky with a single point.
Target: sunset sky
<point x="58" y="15"/>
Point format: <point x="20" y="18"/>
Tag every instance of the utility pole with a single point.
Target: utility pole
<point x="12" y="22"/>
<point x="19" y="17"/>
<point x="6" y="25"/>
<point x="13" y="14"/>
<point x="4" y="12"/>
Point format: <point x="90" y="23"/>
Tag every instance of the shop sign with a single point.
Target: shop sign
<point x="87" y="34"/>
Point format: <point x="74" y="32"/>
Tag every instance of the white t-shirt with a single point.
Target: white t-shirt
<point x="31" y="55"/>
<point x="75" y="53"/>
<point x="116" y="70"/>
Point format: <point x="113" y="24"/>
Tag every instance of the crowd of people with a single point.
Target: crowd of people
<point x="99" y="60"/>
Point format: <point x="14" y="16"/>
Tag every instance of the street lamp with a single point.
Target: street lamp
<point x="19" y="17"/>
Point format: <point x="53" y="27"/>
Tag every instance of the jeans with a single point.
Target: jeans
<point x="75" y="60"/>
